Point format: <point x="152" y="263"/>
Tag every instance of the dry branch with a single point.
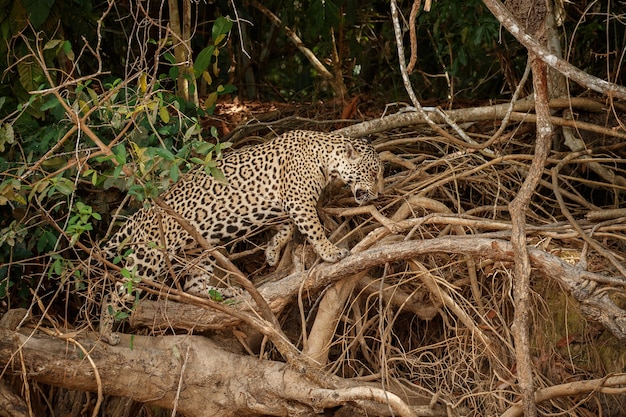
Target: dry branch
<point x="596" y="304"/>
<point x="515" y="28"/>
<point x="518" y="207"/>
<point x="496" y="112"/>
<point x="214" y="381"/>
<point x="612" y="384"/>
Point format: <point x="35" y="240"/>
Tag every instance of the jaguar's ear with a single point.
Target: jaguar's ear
<point x="351" y="152"/>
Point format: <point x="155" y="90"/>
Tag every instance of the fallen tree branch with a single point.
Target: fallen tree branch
<point x="595" y="303"/>
<point x="573" y="389"/>
<point x="475" y="114"/>
<point x="215" y="381"/>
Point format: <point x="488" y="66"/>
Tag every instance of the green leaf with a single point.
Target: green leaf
<point x="93" y="95"/>
<point x="67" y="49"/>
<point x="204" y="148"/>
<point x="216" y="296"/>
<point x="137" y="191"/>
<point x="192" y="130"/>
<point x="173" y="73"/>
<point x="207" y="77"/>
<point x="174" y="172"/>
<point x="221" y="27"/>
<point x="165" y="154"/>
<point x="220" y="146"/>
<point x="52" y="43"/>
<point x="218" y="175"/>
<point x="46" y="241"/>
<point x="169" y="57"/>
<point x="54" y="163"/>
<point x="117" y="315"/>
<point x="38" y="11"/>
<point x="228" y="88"/>
<point x="219" y="39"/>
<point x="210" y="100"/>
<point x="164" y="114"/>
<point x="117" y="171"/>
<point x="30" y="74"/>
<point x="120" y="153"/>
<point x="64" y="186"/>
<point x="203" y="60"/>
<point x="49" y="103"/>
<point x="105" y="158"/>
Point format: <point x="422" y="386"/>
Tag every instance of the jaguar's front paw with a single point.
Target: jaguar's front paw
<point x="335" y="256"/>
<point x="110" y="338"/>
<point x="271" y="255"/>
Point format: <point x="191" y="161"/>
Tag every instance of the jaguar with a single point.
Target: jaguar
<point x="278" y="179"/>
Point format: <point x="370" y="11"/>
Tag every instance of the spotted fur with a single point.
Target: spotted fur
<point x="279" y="178"/>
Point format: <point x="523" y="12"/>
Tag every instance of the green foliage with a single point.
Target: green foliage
<point x="216" y="296"/>
<point x="314" y="21"/>
<point x="598" y="36"/>
<point x="58" y="24"/>
<point x="458" y="39"/>
<point x="462" y="41"/>
<point x="81" y="221"/>
<point x="55" y="177"/>
<point x="38" y="11"/>
<point x="221" y="28"/>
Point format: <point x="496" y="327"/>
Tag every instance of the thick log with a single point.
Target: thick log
<point x="188" y="373"/>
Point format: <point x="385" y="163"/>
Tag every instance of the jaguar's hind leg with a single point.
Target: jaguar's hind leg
<point x="141" y="265"/>
<point x="203" y="282"/>
<point x="198" y="279"/>
<point x="278" y="241"/>
<point x="107" y="320"/>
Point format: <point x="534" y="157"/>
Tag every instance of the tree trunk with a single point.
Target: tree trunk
<point x="181" y="37"/>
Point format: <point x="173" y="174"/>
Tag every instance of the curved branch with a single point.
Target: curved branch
<point x="571" y="389"/>
<point x="495" y="112"/>
<point x="586" y="80"/>
<point x="594" y="301"/>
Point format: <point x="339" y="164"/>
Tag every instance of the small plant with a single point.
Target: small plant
<point x="80" y="222"/>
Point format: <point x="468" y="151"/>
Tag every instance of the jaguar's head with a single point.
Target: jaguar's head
<point x="361" y="168"/>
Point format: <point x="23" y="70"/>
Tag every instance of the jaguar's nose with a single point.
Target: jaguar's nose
<point x="361" y="196"/>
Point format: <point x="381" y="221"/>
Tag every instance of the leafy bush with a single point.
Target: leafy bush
<point x="72" y="147"/>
